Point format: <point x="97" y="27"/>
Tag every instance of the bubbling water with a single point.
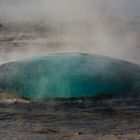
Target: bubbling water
<point x="70" y="75"/>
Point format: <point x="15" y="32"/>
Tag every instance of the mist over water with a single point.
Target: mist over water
<point x="33" y="27"/>
<point x="59" y="76"/>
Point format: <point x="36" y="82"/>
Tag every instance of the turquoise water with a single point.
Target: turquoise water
<point x="69" y="75"/>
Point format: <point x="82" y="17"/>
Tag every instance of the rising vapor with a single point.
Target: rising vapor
<point x="34" y="27"/>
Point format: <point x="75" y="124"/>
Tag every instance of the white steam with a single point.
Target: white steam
<point x="106" y="27"/>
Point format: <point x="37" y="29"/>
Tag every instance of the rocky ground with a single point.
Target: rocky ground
<point x="70" y="120"/>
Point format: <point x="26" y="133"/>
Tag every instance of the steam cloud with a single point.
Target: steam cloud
<point x="33" y="27"/>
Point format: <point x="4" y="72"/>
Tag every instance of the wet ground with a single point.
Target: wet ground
<point x="116" y="119"/>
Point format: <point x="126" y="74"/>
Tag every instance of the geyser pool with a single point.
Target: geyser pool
<point x="70" y="75"/>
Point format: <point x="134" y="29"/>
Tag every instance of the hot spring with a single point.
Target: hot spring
<point x="69" y="75"/>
